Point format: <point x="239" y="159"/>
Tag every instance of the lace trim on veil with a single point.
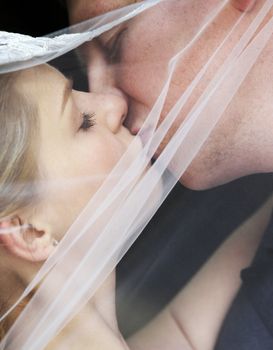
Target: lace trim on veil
<point x="18" y="51"/>
<point x="16" y="47"/>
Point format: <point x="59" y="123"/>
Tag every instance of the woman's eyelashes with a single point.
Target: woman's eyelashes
<point x="88" y="121"/>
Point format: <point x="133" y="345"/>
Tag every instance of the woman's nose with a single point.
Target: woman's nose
<point x="112" y="109"/>
<point x="111" y="102"/>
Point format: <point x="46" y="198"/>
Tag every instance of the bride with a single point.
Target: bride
<point x="61" y="144"/>
<point x="53" y="133"/>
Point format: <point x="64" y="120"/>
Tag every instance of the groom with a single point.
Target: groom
<point x="229" y="152"/>
<point x="240" y="145"/>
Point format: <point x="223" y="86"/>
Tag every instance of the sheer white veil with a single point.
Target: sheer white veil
<point x="116" y="215"/>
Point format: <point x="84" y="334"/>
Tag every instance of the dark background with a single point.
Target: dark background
<point x="34" y="18"/>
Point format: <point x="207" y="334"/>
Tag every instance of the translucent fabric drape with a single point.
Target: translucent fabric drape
<point x="129" y="197"/>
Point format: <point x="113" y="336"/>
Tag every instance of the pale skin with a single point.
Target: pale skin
<point x="188" y="322"/>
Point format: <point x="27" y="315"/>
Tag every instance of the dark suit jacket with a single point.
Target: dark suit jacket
<point x="249" y="323"/>
<point x="186" y="230"/>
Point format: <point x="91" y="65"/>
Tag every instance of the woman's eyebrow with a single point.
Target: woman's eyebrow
<point x="66" y="93"/>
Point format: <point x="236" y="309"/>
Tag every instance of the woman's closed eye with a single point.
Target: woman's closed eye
<point x="88" y="121"/>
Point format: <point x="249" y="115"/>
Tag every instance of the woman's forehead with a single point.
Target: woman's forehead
<point x="38" y="80"/>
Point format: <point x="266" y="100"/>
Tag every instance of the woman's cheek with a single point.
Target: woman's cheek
<point x="106" y="152"/>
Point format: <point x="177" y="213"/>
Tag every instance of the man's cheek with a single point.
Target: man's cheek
<point x="143" y="84"/>
<point x="141" y="80"/>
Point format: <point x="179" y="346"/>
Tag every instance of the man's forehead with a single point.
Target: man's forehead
<point x="84" y="9"/>
<point x="101" y="6"/>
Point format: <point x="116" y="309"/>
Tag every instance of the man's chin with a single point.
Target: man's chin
<point x="194" y="183"/>
<point x="201" y="181"/>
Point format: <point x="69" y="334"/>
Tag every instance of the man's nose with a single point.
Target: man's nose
<point x="101" y="76"/>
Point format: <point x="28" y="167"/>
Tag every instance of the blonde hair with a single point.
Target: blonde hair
<point x="18" y="125"/>
<point x="18" y="168"/>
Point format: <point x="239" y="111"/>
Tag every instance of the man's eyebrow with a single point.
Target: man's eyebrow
<point x="66" y="93"/>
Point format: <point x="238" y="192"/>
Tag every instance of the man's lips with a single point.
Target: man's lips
<point x="134" y="121"/>
<point x="130" y="125"/>
<point x="136" y="116"/>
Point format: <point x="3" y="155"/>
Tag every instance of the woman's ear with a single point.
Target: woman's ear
<point x="26" y="241"/>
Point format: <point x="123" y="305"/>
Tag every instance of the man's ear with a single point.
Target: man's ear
<point x="26" y="241"/>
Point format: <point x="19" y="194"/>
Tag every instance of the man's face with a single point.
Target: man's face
<point x="140" y="50"/>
